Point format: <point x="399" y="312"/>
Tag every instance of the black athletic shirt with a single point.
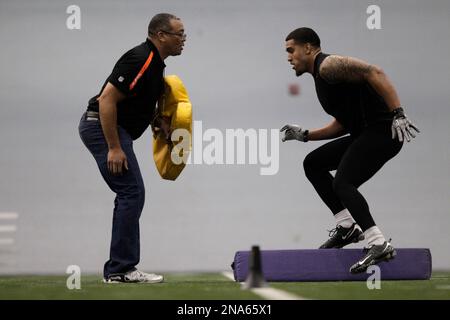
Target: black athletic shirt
<point x="139" y="75"/>
<point x="354" y="105"/>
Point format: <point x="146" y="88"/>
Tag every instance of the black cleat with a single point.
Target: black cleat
<point x="375" y="254"/>
<point x="340" y="237"/>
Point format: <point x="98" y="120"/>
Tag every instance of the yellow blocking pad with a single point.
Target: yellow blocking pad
<point x="175" y="105"/>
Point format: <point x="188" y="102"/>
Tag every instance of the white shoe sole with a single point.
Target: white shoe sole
<point x="140" y="282"/>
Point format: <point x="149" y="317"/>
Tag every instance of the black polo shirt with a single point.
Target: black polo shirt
<point x="354" y="105"/>
<point x="139" y="75"/>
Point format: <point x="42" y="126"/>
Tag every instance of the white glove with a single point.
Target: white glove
<point x="402" y="127"/>
<point x="293" y="131"/>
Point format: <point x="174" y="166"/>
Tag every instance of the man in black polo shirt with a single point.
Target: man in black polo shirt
<point x="119" y="114"/>
<point x="363" y="103"/>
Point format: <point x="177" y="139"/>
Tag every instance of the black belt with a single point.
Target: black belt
<point x="92" y="115"/>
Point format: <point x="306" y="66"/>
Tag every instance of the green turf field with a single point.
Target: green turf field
<point x="215" y="286"/>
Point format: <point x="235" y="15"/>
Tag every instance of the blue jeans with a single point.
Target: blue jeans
<point x="129" y="201"/>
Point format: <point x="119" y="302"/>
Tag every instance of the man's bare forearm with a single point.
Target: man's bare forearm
<point x="108" y="119"/>
<point x="332" y="130"/>
<point x="380" y="82"/>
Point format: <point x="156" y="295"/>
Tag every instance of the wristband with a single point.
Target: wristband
<point x="399" y="112"/>
<point x="305" y="139"/>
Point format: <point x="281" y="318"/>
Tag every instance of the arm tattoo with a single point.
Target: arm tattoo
<point x="335" y="69"/>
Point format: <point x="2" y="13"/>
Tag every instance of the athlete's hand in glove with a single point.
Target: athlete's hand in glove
<point x="292" y="132"/>
<point x="402" y="127"/>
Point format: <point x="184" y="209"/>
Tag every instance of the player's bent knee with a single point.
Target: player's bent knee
<point x="311" y="166"/>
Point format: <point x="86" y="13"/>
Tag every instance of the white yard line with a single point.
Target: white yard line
<point x="228" y="275"/>
<point x="276" y="294"/>
<point x="268" y="293"/>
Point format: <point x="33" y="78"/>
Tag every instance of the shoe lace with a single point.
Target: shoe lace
<point x="136" y="275"/>
<point x="332" y="232"/>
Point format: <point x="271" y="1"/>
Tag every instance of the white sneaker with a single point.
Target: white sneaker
<point x="134" y="276"/>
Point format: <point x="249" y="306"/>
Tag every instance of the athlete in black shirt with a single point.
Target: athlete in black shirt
<point x="119" y="114"/>
<point x="367" y="110"/>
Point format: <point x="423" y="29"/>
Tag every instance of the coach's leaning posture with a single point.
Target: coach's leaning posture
<point x="365" y="105"/>
<point x="119" y="114"/>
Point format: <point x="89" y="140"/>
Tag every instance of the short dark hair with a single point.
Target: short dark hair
<point x="304" y="35"/>
<point x="161" y="21"/>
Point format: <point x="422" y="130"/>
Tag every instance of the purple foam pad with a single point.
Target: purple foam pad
<point x="332" y="265"/>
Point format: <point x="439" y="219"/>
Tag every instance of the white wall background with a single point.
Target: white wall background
<point x="235" y="69"/>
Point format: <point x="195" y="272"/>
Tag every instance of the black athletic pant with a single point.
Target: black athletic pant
<point x="356" y="160"/>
